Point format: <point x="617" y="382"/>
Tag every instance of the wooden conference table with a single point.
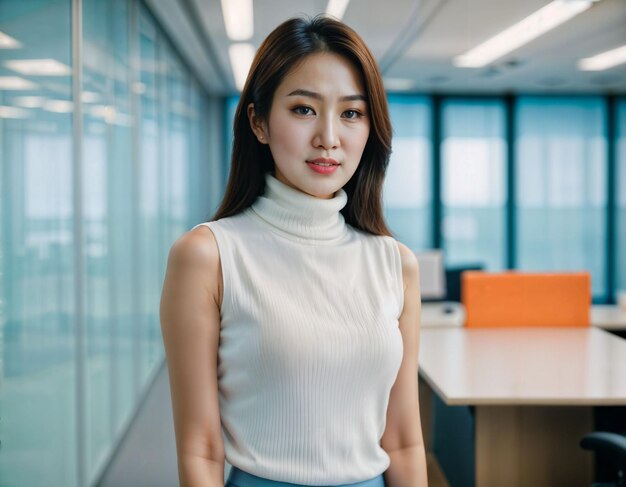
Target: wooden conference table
<point x="532" y="391"/>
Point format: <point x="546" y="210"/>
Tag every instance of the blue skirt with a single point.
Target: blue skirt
<point x="239" y="478"/>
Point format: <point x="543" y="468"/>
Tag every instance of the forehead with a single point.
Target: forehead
<point x="324" y="73"/>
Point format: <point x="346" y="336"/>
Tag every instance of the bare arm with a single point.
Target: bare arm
<point x="190" y="324"/>
<point x="403" y="439"/>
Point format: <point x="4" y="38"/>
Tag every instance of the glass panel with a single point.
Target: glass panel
<point x="124" y="282"/>
<point x="198" y="193"/>
<point x="178" y="161"/>
<point x="473" y="179"/>
<point x="108" y="225"/>
<point x="150" y="257"/>
<point x="561" y="186"/>
<point x="37" y="320"/>
<point x="130" y="208"/>
<point x="407" y="192"/>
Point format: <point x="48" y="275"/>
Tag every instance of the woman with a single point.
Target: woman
<point x="291" y="320"/>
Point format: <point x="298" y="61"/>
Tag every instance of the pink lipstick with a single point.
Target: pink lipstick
<point x="323" y="165"/>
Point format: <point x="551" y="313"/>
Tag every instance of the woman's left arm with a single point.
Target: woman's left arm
<point x="402" y="439"/>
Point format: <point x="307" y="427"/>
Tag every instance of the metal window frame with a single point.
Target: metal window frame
<point x="511" y="102"/>
<point x="79" y="266"/>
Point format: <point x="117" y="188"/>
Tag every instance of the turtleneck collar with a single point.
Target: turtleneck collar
<point x="298" y="215"/>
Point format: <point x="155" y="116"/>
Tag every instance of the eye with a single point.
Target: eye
<point x="302" y="110"/>
<point x="352" y="114"/>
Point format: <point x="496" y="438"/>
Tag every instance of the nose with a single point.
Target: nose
<point x="327" y="134"/>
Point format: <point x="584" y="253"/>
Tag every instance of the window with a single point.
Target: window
<point x="407" y="193"/>
<point x="473" y="158"/>
<point x="561" y="175"/>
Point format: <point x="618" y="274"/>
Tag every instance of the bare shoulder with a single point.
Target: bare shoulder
<point x="197" y="250"/>
<point x="410" y="265"/>
<point x="197" y="247"/>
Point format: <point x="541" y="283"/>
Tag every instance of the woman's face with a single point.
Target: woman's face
<point x="319" y="112"/>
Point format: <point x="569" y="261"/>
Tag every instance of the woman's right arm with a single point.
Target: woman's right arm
<point x="190" y="324"/>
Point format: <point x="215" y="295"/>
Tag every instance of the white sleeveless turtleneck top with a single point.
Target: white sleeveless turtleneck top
<point x="309" y="340"/>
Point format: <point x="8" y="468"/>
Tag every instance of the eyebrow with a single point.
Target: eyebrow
<point x="317" y="96"/>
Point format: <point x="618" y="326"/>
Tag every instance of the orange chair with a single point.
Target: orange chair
<point x="518" y="299"/>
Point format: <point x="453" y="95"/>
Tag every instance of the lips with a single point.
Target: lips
<point x="324" y="160"/>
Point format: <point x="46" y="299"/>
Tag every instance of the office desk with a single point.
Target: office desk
<point x="533" y="390"/>
<point x="608" y="316"/>
<point x="442" y="314"/>
<point x="449" y="313"/>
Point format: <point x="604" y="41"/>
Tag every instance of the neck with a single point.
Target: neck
<point x="299" y="215"/>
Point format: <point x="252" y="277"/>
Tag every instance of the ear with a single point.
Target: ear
<point x="258" y="126"/>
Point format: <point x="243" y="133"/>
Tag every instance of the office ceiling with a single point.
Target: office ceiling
<point x="414" y="42"/>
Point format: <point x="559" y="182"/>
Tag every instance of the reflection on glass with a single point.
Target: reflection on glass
<point x="150" y="221"/>
<point x="142" y="127"/>
<point x="37" y="368"/>
<point x="108" y="225"/>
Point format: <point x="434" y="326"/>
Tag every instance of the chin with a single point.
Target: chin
<point x="309" y="184"/>
<point x="326" y="192"/>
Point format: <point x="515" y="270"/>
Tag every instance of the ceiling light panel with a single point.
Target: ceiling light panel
<point x="90" y="97"/>
<point x="533" y="26"/>
<point x="13" y="112"/>
<point x="605" y="60"/>
<point x="39" y="67"/>
<point x="7" y="42"/>
<point x="241" y="56"/>
<point x="337" y="8"/>
<point x="29" y="101"/>
<point x="16" y="83"/>
<point x="238" y="19"/>
<point x="58" y="106"/>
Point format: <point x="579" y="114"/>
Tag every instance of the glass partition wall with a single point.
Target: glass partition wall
<point x="96" y="182"/>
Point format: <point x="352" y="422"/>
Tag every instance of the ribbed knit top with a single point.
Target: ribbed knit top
<point x="309" y="340"/>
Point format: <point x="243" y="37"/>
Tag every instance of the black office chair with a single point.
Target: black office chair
<point x="611" y="448"/>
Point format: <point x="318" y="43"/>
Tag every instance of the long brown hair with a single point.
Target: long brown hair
<point x="280" y="52"/>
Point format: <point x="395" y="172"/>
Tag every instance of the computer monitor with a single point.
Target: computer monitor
<point x="432" y="275"/>
<point x="453" y="279"/>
